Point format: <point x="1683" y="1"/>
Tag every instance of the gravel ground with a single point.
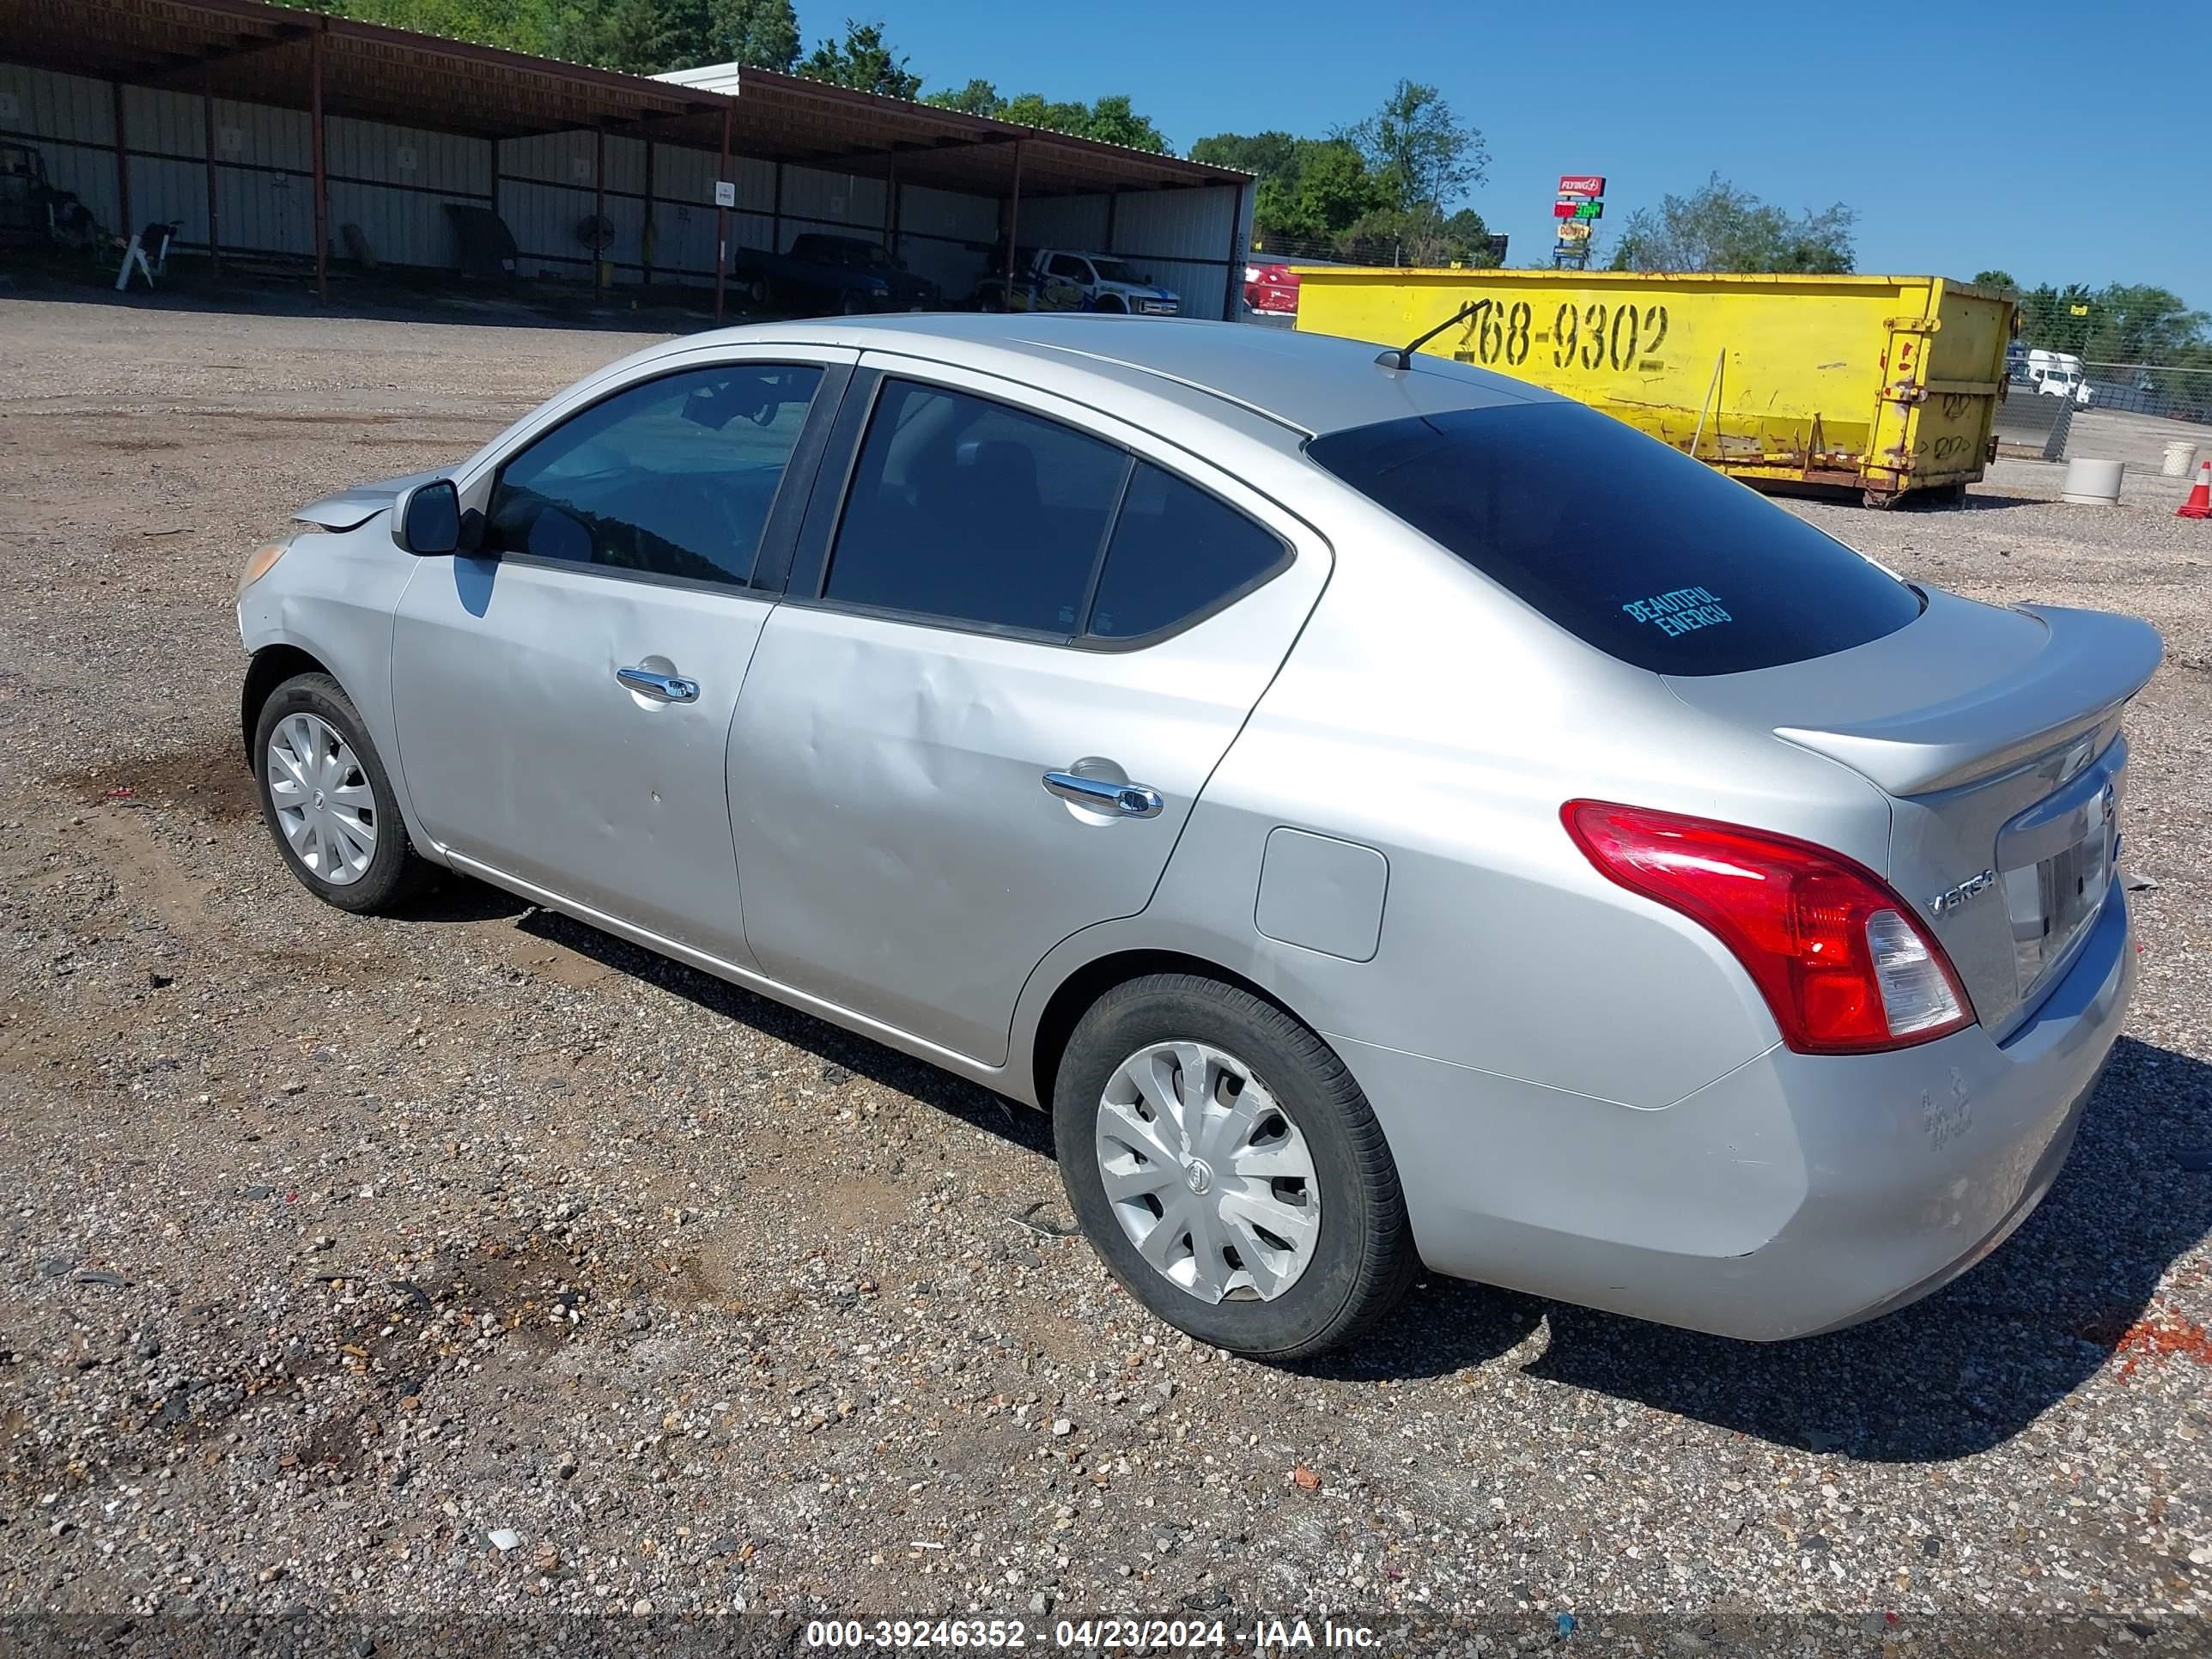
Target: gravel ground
<point x="476" y="1262"/>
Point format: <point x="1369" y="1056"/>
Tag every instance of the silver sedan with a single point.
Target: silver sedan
<point x="1387" y="814"/>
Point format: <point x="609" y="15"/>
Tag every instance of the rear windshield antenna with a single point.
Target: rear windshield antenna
<point x="1402" y="357"/>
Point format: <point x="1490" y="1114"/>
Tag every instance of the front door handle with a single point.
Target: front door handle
<point x="1127" y="801"/>
<point x="661" y="688"/>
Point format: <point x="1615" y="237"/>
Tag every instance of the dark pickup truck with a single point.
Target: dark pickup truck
<point x="846" y="274"/>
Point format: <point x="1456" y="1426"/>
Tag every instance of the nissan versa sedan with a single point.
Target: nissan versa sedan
<point x="1388" y="814"/>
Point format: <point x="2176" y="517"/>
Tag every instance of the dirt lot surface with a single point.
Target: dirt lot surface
<point x="334" y="1252"/>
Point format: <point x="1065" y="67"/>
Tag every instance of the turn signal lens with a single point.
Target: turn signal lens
<point x="263" y="562"/>
<point x="1837" y="956"/>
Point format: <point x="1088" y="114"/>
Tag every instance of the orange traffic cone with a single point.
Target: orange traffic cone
<point x="2199" y="504"/>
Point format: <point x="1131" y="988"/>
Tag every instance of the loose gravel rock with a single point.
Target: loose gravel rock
<point x="475" y="1260"/>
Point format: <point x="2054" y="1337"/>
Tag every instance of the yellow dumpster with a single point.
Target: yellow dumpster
<point x="1879" y="384"/>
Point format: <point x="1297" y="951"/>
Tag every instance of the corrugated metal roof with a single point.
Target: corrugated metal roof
<point x="245" y="50"/>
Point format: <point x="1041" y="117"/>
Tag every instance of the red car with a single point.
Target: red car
<point x="1272" y="289"/>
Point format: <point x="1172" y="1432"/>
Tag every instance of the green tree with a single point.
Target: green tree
<point x="2001" y="280"/>
<point x="863" y="61"/>
<point x="759" y="33"/>
<point x="642" y="37"/>
<point x="1424" y="155"/>
<point x="517" y="25"/>
<point x="1720" y="227"/>
<point x="2057" y="319"/>
<point x="1336" y="188"/>
<point x="1111" y="120"/>
<point x="976" y="98"/>
<point x="2136" y="323"/>
<point x="1269" y="155"/>
<point x="1310" y="190"/>
<point x="1417" y="236"/>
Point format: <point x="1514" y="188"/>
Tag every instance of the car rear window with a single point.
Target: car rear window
<point x="1624" y="542"/>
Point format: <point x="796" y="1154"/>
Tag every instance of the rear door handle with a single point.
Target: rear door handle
<point x="661" y="688"/>
<point x="1128" y="800"/>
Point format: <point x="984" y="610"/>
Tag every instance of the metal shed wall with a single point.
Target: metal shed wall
<point x="78" y="115"/>
<point x="545" y="188"/>
<point x="392" y="181"/>
<point x="1190" y="240"/>
<point x="389" y="180"/>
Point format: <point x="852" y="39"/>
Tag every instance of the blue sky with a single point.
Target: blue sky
<point x="2059" y="143"/>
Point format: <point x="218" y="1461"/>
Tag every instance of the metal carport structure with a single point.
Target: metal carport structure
<point x="221" y="114"/>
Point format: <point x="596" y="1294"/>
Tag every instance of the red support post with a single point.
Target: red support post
<point x="1233" y="283"/>
<point x="1013" y="223"/>
<point x="122" y="163"/>
<point x="599" y="204"/>
<point x="890" y="204"/>
<point x="322" y="179"/>
<point x="722" y="216"/>
<point x="645" y="235"/>
<point x="207" y="149"/>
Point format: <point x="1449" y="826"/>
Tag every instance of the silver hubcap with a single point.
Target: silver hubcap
<point x="1208" y="1176"/>
<point x="323" y="803"/>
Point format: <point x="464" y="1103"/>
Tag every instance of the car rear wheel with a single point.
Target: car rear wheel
<point x="327" y="799"/>
<point x="1228" y="1169"/>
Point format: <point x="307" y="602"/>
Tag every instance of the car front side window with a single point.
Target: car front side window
<point x="973" y="511"/>
<point x="673" y="477"/>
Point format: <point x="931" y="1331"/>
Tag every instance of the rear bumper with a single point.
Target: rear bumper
<point x="1799" y="1193"/>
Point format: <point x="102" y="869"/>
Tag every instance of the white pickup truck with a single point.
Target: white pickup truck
<point x="1061" y="279"/>
<point x="2058" y="374"/>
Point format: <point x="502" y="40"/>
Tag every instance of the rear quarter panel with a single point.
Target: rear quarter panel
<point x="1426" y="714"/>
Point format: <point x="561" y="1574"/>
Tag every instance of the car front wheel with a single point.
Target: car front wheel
<point x="1228" y="1169"/>
<point x="327" y="799"/>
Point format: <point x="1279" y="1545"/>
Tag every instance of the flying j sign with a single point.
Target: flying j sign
<point x="1581" y="184"/>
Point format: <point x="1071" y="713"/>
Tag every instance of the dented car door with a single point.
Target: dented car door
<point x="979" y="719"/>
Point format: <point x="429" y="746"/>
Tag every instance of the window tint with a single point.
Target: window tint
<point x="1621" y="539"/>
<point x="966" y="509"/>
<point x="1176" y="551"/>
<point x="674" y="477"/>
<point x="1068" y="265"/>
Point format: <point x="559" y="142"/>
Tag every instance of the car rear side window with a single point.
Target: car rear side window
<point x="1626" y="543"/>
<point x="1176" y="552"/>
<point x="969" y="510"/>
<point x="672" y="477"/>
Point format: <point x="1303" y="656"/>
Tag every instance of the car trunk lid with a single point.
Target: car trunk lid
<point x="1995" y="733"/>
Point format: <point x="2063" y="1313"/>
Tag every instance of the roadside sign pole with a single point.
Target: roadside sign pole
<point x="1581" y="202"/>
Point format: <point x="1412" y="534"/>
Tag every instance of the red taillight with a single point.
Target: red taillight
<point x="1839" y="957"/>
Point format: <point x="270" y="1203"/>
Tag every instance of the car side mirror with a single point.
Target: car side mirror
<point x="428" y="523"/>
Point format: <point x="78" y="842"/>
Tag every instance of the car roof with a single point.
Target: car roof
<point x="1314" y="383"/>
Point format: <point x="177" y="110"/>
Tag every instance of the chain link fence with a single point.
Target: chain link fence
<point x="1394" y="253"/>
<point x="2174" y="394"/>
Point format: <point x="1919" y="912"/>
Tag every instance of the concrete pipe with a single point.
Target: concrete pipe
<point x="2093" y="482"/>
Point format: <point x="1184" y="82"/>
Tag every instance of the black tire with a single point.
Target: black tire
<point x="1364" y="1259"/>
<point x="394" y="869"/>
